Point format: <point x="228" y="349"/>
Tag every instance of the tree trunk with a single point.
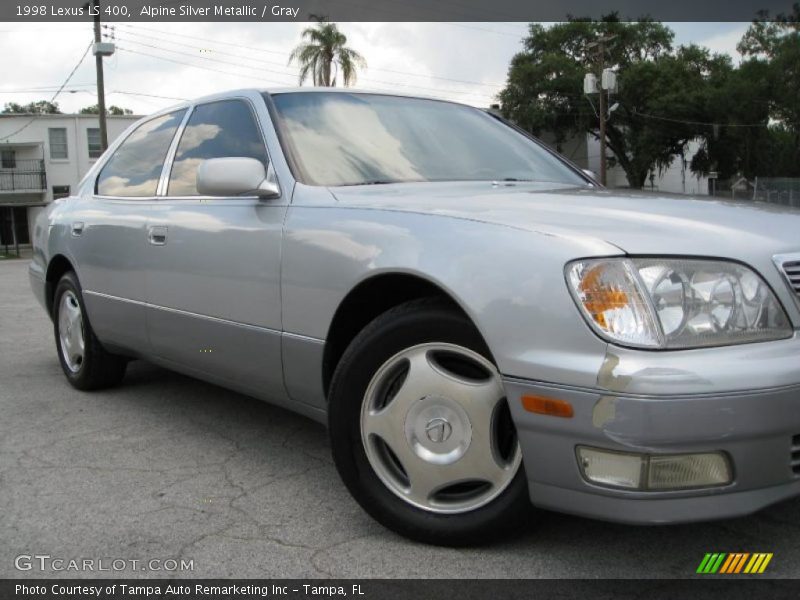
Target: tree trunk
<point x="637" y="177"/>
<point x="328" y="68"/>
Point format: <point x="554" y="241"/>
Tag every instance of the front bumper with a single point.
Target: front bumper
<point x="754" y="427"/>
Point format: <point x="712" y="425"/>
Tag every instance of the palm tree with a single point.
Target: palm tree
<point x="323" y="51"/>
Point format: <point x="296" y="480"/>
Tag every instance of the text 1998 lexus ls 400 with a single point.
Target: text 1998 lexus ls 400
<point x="479" y="323"/>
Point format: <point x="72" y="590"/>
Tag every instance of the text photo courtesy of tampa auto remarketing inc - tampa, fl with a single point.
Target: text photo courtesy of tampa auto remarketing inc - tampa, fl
<point x="407" y="299"/>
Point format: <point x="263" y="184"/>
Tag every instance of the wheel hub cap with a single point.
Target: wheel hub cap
<point x="438" y="430"/>
<point x="70" y="331"/>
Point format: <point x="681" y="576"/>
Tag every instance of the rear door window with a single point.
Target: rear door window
<point x="135" y="167"/>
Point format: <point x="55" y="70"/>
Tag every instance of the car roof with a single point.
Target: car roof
<point x="294" y="90"/>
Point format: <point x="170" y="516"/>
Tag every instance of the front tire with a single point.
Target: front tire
<point x="420" y="428"/>
<point x="87" y="365"/>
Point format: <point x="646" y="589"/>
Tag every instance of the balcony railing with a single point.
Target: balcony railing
<point x="22" y="175"/>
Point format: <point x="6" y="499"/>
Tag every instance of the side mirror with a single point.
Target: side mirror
<point x="235" y="176"/>
<point x="591" y="174"/>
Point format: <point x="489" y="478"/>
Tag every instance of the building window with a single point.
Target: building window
<point x="60" y="191"/>
<point x="8" y="159"/>
<point x="58" y="143"/>
<point x="93" y="139"/>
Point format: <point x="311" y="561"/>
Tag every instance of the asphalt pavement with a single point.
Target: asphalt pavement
<point x="166" y="467"/>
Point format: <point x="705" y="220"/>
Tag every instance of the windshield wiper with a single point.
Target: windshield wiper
<point x="370" y="182"/>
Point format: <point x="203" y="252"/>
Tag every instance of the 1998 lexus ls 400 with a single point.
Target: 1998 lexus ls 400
<point x="478" y="322"/>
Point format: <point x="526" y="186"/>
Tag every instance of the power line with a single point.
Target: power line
<point x="201" y="39"/>
<point x="285" y="55"/>
<point x="127" y="93"/>
<point x="70" y="90"/>
<point x="66" y="81"/>
<point x="207" y="58"/>
<point x="206" y="68"/>
<point x="259" y="70"/>
<point x="186" y="64"/>
<point x="672" y="120"/>
<point x="56" y="86"/>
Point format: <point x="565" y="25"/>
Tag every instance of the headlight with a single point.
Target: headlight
<point x="681" y="303"/>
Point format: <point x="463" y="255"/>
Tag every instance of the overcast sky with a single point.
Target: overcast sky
<point x="466" y="62"/>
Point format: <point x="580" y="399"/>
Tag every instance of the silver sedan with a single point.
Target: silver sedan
<point x="479" y="323"/>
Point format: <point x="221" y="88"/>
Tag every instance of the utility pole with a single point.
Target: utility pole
<point x="602" y="52"/>
<point x="101" y="92"/>
<point x="602" y="88"/>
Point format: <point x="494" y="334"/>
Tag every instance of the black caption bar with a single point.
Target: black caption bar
<point x="398" y="589"/>
<point x="387" y="10"/>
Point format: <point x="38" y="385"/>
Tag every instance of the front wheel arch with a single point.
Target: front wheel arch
<point x="413" y="323"/>
<point x="367" y="301"/>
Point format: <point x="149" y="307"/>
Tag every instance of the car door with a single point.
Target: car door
<point x="108" y="237"/>
<point x="213" y="280"/>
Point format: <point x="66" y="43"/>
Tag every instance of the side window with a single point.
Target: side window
<point x="135" y="167"/>
<point x="215" y="130"/>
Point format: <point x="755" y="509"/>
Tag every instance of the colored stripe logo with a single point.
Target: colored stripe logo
<point x="734" y="563"/>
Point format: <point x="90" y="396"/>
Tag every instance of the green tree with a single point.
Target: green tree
<point x="736" y="102"/>
<point x="324" y="55"/>
<point x="110" y="110"/>
<point x="40" y="107"/>
<point x="773" y="47"/>
<point x="661" y="95"/>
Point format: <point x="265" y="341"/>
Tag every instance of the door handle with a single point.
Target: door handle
<point x="157" y="235"/>
<point x="77" y="228"/>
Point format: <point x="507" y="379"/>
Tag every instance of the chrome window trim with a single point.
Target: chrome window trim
<point x="125" y="198"/>
<point x="166" y="168"/>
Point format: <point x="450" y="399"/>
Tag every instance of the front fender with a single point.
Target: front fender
<point x="509" y="281"/>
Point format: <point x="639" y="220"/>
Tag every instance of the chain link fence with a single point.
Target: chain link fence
<point x="777" y="190"/>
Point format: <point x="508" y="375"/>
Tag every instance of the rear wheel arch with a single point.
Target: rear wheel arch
<point x="369" y="299"/>
<point x="58" y="265"/>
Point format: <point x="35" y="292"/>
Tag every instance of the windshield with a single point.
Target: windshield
<point x="351" y="139"/>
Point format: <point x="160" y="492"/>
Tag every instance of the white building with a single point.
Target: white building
<point x="677" y="178"/>
<point x="43" y="157"/>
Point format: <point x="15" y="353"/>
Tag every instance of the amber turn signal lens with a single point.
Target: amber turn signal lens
<point x="547" y="406"/>
<point x="601" y="297"/>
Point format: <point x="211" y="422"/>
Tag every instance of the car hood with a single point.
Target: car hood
<point x="634" y="222"/>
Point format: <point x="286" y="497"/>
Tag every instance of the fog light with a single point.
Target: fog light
<point x="653" y="472"/>
<point x="612" y="468"/>
<point x="687" y="471"/>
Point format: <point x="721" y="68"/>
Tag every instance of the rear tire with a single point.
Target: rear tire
<point x="87" y="365"/>
<point x="431" y="454"/>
